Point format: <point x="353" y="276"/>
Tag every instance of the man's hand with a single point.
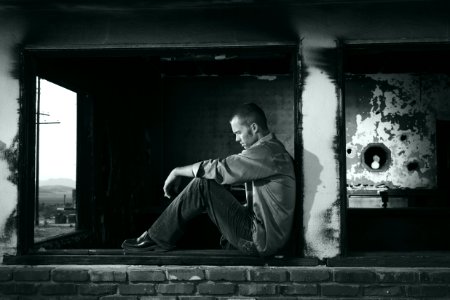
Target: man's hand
<point x="171" y="184"/>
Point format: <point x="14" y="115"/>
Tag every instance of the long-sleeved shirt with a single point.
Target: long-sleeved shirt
<point x="267" y="171"/>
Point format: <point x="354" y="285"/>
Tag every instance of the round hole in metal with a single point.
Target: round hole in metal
<point x="376" y="157"/>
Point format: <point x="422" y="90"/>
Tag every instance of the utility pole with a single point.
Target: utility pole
<point x="38" y="122"/>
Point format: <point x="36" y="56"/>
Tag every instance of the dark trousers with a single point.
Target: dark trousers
<point x="201" y="195"/>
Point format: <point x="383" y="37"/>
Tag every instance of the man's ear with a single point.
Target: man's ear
<point x="254" y="127"/>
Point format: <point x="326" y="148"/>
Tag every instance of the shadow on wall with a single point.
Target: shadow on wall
<point x="321" y="218"/>
<point x="312" y="170"/>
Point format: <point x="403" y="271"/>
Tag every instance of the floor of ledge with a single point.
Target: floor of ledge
<point x="175" y="257"/>
<point x="414" y="259"/>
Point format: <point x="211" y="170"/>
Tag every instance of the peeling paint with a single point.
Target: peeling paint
<point x="390" y="109"/>
<point x="266" y="77"/>
<point x="8" y="199"/>
<point x="11" y="31"/>
<point x="261" y="77"/>
<point x="220" y="57"/>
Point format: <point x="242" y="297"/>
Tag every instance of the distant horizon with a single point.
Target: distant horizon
<point x="58" y="181"/>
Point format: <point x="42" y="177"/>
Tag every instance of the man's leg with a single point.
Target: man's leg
<point x="233" y="220"/>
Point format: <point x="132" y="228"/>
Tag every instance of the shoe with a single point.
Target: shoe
<point x="225" y="244"/>
<point x="141" y="244"/>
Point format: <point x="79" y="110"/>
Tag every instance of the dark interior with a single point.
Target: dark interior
<point x="397" y="58"/>
<point x="141" y="114"/>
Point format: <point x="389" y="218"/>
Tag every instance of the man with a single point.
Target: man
<point x="263" y="225"/>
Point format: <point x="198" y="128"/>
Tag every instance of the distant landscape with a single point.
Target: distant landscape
<point x="52" y="191"/>
<point x="51" y="201"/>
<point x="54" y="194"/>
<point x="58" y="181"/>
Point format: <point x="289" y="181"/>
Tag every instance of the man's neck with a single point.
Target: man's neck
<point x="262" y="134"/>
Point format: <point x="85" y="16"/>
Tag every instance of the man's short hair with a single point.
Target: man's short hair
<point x="251" y="113"/>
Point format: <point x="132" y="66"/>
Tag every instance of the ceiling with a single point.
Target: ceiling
<point x="176" y="4"/>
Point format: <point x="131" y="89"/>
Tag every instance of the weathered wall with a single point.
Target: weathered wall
<point x="318" y="25"/>
<point x="11" y="31"/>
<point x="400" y="112"/>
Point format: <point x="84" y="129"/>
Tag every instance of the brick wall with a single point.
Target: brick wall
<point x="148" y="282"/>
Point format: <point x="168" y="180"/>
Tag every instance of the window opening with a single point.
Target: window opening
<point x="56" y="129"/>
<point x="146" y="115"/>
<point x="395" y="161"/>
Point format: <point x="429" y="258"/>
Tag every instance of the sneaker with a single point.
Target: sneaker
<point x="141" y="244"/>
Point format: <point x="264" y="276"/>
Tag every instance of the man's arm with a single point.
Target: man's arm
<point x="251" y="164"/>
<point x="173" y="179"/>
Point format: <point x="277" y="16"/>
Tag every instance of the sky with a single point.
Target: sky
<point x="57" y="146"/>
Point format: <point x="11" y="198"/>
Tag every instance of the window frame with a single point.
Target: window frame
<point x="27" y="189"/>
<point x="27" y="152"/>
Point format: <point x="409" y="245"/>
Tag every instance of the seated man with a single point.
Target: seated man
<point x="262" y="226"/>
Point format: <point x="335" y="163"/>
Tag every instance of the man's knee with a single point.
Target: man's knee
<point x="198" y="181"/>
<point x="204" y="186"/>
<point x="204" y="182"/>
<point x="197" y="185"/>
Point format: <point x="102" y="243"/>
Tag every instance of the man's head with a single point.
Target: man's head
<point x="249" y="124"/>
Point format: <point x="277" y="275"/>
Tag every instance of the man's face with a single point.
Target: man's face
<point x="245" y="134"/>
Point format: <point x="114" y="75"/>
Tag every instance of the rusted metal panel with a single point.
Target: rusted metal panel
<point x="398" y="111"/>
